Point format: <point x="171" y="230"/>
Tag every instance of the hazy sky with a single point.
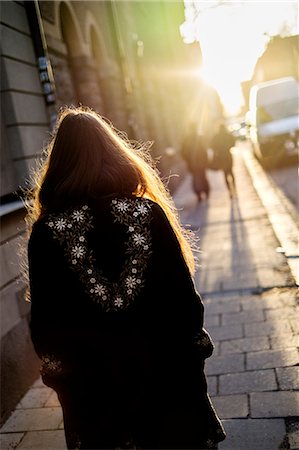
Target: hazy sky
<point x="232" y="35"/>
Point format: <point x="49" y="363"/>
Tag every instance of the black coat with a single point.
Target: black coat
<point x="118" y="325"/>
<point x="195" y="153"/>
<point x="221" y="144"/>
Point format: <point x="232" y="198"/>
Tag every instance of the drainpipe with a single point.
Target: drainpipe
<point x="43" y="62"/>
<point x="124" y="67"/>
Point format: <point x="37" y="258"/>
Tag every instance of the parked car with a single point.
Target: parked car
<point x="274" y="120"/>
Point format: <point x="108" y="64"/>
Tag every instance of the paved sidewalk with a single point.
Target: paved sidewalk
<point x="250" y="310"/>
<point x="251" y="307"/>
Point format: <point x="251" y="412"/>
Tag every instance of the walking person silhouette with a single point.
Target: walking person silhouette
<point x="195" y="153"/>
<point x="221" y="144"/>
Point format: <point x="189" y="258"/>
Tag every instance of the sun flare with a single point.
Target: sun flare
<point x="232" y="36"/>
<point x="225" y="85"/>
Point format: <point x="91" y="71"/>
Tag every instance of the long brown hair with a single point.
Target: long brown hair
<point x="88" y="158"/>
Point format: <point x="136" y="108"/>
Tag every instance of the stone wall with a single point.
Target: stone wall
<point x="23" y="111"/>
<point x="24" y="128"/>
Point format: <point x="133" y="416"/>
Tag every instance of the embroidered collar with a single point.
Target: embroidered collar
<point x="71" y="228"/>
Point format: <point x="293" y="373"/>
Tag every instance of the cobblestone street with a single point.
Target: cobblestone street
<point x="251" y="311"/>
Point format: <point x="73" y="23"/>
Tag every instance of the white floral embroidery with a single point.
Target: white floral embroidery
<point x="60" y="224"/>
<point x="122" y="206"/>
<point x="78" y="251"/>
<point x="142" y="209"/>
<point x="118" y="302"/>
<point x="131" y="282"/>
<point x="78" y="216"/>
<point x="138" y="239"/>
<point x="99" y="289"/>
<point x="72" y="234"/>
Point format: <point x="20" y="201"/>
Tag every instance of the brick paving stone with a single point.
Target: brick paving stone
<point x="219" y="299"/>
<point x="248" y="298"/>
<point x="292" y="297"/>
<point x="216" y="351"/>
<point x="294" y="440"/>
<point x="244" y="345"/>
<point x="281" y="313"/>
<point x="272" y="358"/>
<point x="267" y="328"/>
<point x="218" y="308"/>
<point x="246" y="382"/>
<point x="266" y="275"/>
<point x="295" y="324"/>
<point x="38" y="383"/>
<point x="226" y="332"/>
<point x="293" y="432"/>
<point x="225" y="364"/>
<point x="288" y="378"/>
<point x="284" y="341"/>
<point x="212" y="320"/>
<point x="261" y="303"/>
<point x="52" y="400"/>
<point x="212" y="385"/>
<point x="231" y="406"/>
<point x="35" y="398"/>
<point x="253" y="434"/>
<point x="243" y="281"/>
<point x="274" y="404"/>
<point x="10" y="441"/>
<point x="286" y="296"/>
<point x="43" y="440"/>
<point x="243" y="317"/>
<point x="33" y="419"/>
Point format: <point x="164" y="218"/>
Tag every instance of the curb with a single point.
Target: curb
<point x="278" y="210"/>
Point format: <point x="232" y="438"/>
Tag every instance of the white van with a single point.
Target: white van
<point x="274" y="120"/>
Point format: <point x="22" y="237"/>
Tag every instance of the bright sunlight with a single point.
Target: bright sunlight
<point x="232" y="36"/>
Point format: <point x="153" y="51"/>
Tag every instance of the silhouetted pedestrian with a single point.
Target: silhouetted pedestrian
<point x="115" y="317"/>
<point x="195" y="153"/>
<point x="221" y="144"/>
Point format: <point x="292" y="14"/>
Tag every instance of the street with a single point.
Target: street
<point x="247" y="265"/>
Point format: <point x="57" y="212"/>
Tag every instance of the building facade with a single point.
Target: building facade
<point x="280" y="59"/>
